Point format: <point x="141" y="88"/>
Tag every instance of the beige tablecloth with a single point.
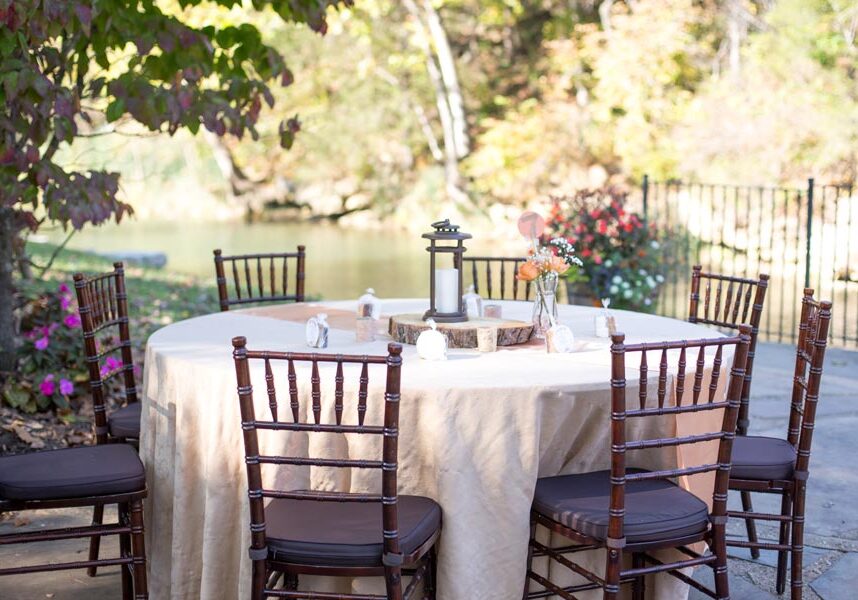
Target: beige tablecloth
<point x="475" y="433"/>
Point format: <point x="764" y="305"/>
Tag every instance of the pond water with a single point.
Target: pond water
<point x="341" y="263"/>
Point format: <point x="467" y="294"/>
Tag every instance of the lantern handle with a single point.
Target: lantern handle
<point x="444" y="226"/>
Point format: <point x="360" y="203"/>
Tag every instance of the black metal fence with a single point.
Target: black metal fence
<point x="800" y="237"/>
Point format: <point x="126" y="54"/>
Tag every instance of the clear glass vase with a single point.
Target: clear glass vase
<point x="545" y="304"/>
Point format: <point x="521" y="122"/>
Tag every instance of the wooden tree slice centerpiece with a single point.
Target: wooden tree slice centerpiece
<point x="406" y="328"/>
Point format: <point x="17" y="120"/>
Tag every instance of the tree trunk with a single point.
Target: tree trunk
<point x="8" y="233"/>
<point x="444" y="99"/>
<point x="451" y="80"/>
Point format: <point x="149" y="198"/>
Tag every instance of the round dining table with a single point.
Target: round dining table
<point x="476" y="431"/>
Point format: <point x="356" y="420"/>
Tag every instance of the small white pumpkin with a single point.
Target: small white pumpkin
<point x="431" y="344"/>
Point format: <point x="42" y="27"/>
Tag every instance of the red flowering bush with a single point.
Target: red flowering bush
<point x="51" y="367"/>
<point x="621" y="255"/>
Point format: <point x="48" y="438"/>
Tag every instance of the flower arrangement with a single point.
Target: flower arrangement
<point x="553" y="259"/>
<point x="544" y="267"/>
<point x="622" y="258"/>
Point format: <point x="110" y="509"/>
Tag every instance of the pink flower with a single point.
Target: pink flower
<point x="65" y="302"/>
<point x="64" y="289"/>
<point x="48" y="387"/>
<point x="41" y="343"/>
<point x="110" y="365"/>
<point x="66" y="387"/>
<point x="72" y="321"/>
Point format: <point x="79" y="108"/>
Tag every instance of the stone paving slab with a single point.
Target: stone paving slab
<point x="840" y="581"/>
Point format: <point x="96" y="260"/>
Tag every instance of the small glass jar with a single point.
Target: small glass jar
<point x="369" y="306"/>
<point x="473" y="303"/>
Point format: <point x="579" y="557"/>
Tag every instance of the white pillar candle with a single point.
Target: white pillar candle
<point x="447" y="290"/>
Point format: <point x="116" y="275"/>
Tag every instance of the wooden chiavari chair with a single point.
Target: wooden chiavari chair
<point x="103" y="307"/>
<point x="327" y="532"/>
<point x="633" y="511"/>
<point x="258" y="278"/>
<point x="728" y="302"/>
<point x="494" y="278"/>
<point x="86" y="476"/>
<point x="777" y="466"/>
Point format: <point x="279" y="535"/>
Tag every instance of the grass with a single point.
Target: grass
<point x="157" y="297"/>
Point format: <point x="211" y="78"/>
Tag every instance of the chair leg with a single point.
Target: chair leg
<point x="125" y="552"/>
<point x="750" y="524"/>
<point x="639" y="584"/>
<point x="719" y="548"/>
<point x="138" y="551"/>
<point x="529" y="563"/>
<point x="797" y="557"/>
<point x="429" y="583"/>
<point x="612" y="574"/>
<point x="393" y="579"/>
<point x="260" y="578"/>
<point x="95" y="541"/>
<point x="783" y="538"/>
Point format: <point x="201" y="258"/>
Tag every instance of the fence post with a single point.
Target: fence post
<point x="807" y="250"/>
<point x="645" y="190"/>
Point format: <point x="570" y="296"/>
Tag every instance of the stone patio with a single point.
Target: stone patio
<point x="831" y="538"/>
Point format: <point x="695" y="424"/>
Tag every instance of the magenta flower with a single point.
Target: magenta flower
<point x="65" y="302"/>
<point x="64" y="289"/>
<point x="48" y="387"/>
<point x="66" y="387"/>
<point x="72" y="321"/>
<point x="41" y="343"/>
<point x="110" y="365"/>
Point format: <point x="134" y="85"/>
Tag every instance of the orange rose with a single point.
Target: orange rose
<point x="558" y="265"/>
<point x="527" y="272"/>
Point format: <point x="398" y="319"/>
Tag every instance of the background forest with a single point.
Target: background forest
<point x="492" y="104"/>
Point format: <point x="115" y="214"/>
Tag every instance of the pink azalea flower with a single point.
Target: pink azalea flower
<point x="72" y="321"/>
<point x="41" y="343"/>
<point x="65" y="302"/>
<point x="66" y="387"/>
<point x="64" y="289"/>
<point x="48" y="387"/>
<point x="110" y="365"/>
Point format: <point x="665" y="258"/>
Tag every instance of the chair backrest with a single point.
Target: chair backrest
<point x="251" y="425"/>
<point x="729" y="302"/>
<point x="696" y="401"/>
<point x="494" y="277"/>
<point x="259" y="278"/>
<point x="809" y="359"/>
<point x="103" y="305"/>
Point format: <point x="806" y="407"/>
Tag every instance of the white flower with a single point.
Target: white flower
<point x="655" y="244"/>
<point x="659" y="278"/>
<point x="650" y="282"/>
<point x="647" y="301"/>
<point x="626" y="285"/>
<point x="609" y="263"/>
<point x="642" y="273"/>
<point x="614" y="290"/>
<point x="617" y="279"/>
<point x="627" y="294"/>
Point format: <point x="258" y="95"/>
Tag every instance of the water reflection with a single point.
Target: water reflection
<point x="341" y="263"/>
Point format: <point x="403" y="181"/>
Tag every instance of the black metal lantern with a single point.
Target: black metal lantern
<point x="445" y="284"/>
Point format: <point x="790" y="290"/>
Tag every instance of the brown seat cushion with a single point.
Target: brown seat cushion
<point x="71" y="473"/>
<point x="344" y="533"/>
<point x="655" y="509"/>
<point x="765" y="458"/>
<point x="125" y="422"/>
